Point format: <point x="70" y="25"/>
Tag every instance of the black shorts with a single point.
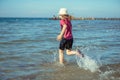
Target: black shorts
<point x="66" y="44"/>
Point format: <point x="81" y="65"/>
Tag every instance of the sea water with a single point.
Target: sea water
<point x="29" y="50"/>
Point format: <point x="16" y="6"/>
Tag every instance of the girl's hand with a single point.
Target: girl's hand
<point x="59" y="37"/>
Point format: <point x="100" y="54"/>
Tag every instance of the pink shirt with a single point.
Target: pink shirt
<point x="68" y="31"/>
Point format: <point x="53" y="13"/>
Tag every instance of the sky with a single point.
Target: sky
<point x="48" y="8"/>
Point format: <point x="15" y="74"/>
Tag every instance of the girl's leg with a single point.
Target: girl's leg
<point x="77" y="52"/>
<point x="61" y="56"/>
<point x="70" y="52"/>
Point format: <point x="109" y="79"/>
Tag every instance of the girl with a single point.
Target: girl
<point x="65" y="37"/>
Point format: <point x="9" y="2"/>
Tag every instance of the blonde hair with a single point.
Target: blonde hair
<point x="67" y="16"/>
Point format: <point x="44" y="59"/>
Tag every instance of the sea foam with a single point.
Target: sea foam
<point x="87" y="63"/>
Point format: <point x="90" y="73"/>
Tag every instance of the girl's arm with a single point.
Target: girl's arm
<point x="63" y="29"/>
<point x="59" y="37"/>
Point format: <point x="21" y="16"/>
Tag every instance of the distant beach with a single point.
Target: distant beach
<point x="85" y="18"/>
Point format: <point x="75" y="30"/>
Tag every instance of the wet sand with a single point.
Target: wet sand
<point x="72" y="72"/>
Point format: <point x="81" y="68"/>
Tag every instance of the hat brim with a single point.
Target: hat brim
<point x="62" y="14"/>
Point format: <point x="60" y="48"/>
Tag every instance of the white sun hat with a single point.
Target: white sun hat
<point x="63" y="11"/>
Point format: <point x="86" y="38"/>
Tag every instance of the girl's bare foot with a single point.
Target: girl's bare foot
<point x="78" y="52"/>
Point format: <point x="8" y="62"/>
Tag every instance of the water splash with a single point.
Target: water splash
<point x="107" y="75"/>
<point x="55" y="55"/>
<point x="87" y="63"/>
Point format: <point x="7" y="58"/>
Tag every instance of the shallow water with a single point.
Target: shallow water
<point x="28" y="50"/>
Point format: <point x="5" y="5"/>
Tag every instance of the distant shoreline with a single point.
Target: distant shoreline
<point x="88" y="18"/>
<point x="56" y="18"/>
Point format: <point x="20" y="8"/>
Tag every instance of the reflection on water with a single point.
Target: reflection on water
<point x="28" y="50"/>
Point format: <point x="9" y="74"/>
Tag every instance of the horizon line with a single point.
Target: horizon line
<point x="53" y="17"/>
